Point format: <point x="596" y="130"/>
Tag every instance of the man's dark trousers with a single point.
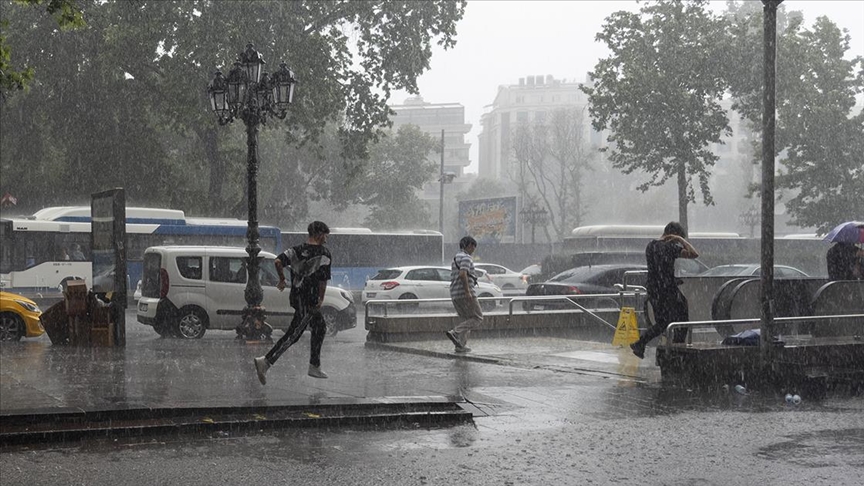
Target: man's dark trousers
<point x="304" y="316"/>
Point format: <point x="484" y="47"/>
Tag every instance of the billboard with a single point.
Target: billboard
<point x="490" y="220"/>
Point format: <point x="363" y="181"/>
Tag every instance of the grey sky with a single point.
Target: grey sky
<point x="500" y="41"/>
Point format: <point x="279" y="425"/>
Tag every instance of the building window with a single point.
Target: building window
<point x="520" y="99"/>
<point x="540" y="117"/>
<point x="521" y="117"/>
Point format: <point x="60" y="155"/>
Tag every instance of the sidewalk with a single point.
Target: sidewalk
<point x="156" y="378"/>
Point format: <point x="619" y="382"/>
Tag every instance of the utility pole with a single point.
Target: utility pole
<point x="769" y="28"/>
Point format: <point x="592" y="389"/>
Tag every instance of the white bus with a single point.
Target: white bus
<point x="40" y="253"/>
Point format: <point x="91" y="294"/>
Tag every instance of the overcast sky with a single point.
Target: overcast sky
<point x="500" y="41"/>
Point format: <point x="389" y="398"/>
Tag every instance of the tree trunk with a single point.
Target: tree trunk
<point x="682" y="197"/>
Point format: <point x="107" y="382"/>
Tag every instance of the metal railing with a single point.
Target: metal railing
<point x="568" y="300"/>
<point x="693" y="324"/>
<point x="408" y="302"/>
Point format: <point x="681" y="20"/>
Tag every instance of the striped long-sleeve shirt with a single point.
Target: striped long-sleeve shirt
<point x="462" y="261"/>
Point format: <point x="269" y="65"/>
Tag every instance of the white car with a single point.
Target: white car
<point x="419" y="282"/>
<point x="187" y="290"/>
<point x="508" y="280"/>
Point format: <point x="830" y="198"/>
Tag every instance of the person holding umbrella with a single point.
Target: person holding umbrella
<point x="845" y="257"/>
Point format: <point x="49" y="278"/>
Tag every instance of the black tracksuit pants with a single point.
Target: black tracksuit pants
<point x="304" y="316"/>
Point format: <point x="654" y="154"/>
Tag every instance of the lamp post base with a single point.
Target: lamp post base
<point x="254" y="327"/>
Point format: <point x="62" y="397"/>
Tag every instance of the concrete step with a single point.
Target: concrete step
<point x="72" y="425"/>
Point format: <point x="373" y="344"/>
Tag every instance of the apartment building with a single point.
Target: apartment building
<point x="533" y="99"/>
<point x="432" y="118"/>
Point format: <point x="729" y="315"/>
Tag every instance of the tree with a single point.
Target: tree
<point x="556" y="156"/>
<point x="659" y="94"/>
<point x="67" y="16"/>
<point x="397" y="168"/>
<point x="819" y="137"/>
<point x="122" y="101"/>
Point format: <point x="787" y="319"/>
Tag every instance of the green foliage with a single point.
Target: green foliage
<point x="658" y="94"/>
<point x="121" y="101"/>
<point x="67" y="15"/>
<point x="819" y="137"/>
<point x="398" y="166"/>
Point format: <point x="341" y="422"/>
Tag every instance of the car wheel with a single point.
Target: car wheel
<point x="487" y="305"/>
<point x="11" y="327"/>
<point x="329" y="315"/>
<point x="407" y="307"/>
<point x="192" y="323"/>
<point x="508" y="287"/>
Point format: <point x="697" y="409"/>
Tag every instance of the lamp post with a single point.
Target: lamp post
<point x="252" y="96"/>
<point x="534" y="216"/>
<point x="750" y="218"/>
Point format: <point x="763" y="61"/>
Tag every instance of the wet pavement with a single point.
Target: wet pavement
<point x="546" y="411"/>
<point x="217" y="371"/>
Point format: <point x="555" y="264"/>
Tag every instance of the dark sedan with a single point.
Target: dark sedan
<point x="594" y="279"/>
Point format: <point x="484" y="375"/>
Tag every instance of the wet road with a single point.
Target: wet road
<point x="532" y="426"/>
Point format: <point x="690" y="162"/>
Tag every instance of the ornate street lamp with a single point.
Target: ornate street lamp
<point x="534" y="216"/>
<point x="252" y="96"/>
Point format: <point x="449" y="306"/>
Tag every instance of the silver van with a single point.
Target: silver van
<point x="186" y="290"/>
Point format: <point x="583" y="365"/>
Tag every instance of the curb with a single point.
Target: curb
<point x="54" y="426"/>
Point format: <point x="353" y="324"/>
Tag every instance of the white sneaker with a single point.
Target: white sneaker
<point x="315" y="372"/>
<point x="261" y="366"/>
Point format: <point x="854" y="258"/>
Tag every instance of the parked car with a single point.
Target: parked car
<point x="508" y="280"/>
<point x="754" y="270"/>
<point x="595" y="279"/>
<point x="532" y="272"/>
<point x="19" y="317"/>
<point x="189" y="289"/>
<point x="418" y="282"/>
<point x="555" y="264"/>
<point x="483" y="276"/>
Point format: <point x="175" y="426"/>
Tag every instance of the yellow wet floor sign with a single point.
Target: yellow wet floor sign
<point x="627" y="331"/>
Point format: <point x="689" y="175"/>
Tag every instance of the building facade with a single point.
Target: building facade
<point x="432" y="118"/>
<point x="532" y="100"/>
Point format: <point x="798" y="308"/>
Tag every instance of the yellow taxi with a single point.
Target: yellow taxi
<point x="19" y="317"/>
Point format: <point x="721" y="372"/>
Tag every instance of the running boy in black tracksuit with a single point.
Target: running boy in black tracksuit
<point x="309" y="264"/>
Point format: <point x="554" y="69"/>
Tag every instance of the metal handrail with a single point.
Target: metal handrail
<point x="563" y="298"/>
<point x="691" y="324"/>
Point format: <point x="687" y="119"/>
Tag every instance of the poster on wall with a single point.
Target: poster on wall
<point x="490" y="220"/>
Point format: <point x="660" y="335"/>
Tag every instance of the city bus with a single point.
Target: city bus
<point x="358" y="253"/>
<point x="39" y="253"/>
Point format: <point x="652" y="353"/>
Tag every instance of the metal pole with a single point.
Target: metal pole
<point x="769" y="27"/>
<point x="253" y="294"/>
<point x="441" y="195"/>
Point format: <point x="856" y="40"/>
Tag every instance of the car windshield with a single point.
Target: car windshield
<point x="578" y="274"/>
<point x="727" y="271"/>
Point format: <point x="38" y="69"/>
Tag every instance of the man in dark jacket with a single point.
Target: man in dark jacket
<point x="667" y="301"/>
<point x="309" y="265"/>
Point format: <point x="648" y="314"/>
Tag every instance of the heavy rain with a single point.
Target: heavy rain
<point x="531" y="242"/>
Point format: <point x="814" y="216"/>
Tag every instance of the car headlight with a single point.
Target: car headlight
<point x="28" y="305"/>
<point x="347" y="295"/>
